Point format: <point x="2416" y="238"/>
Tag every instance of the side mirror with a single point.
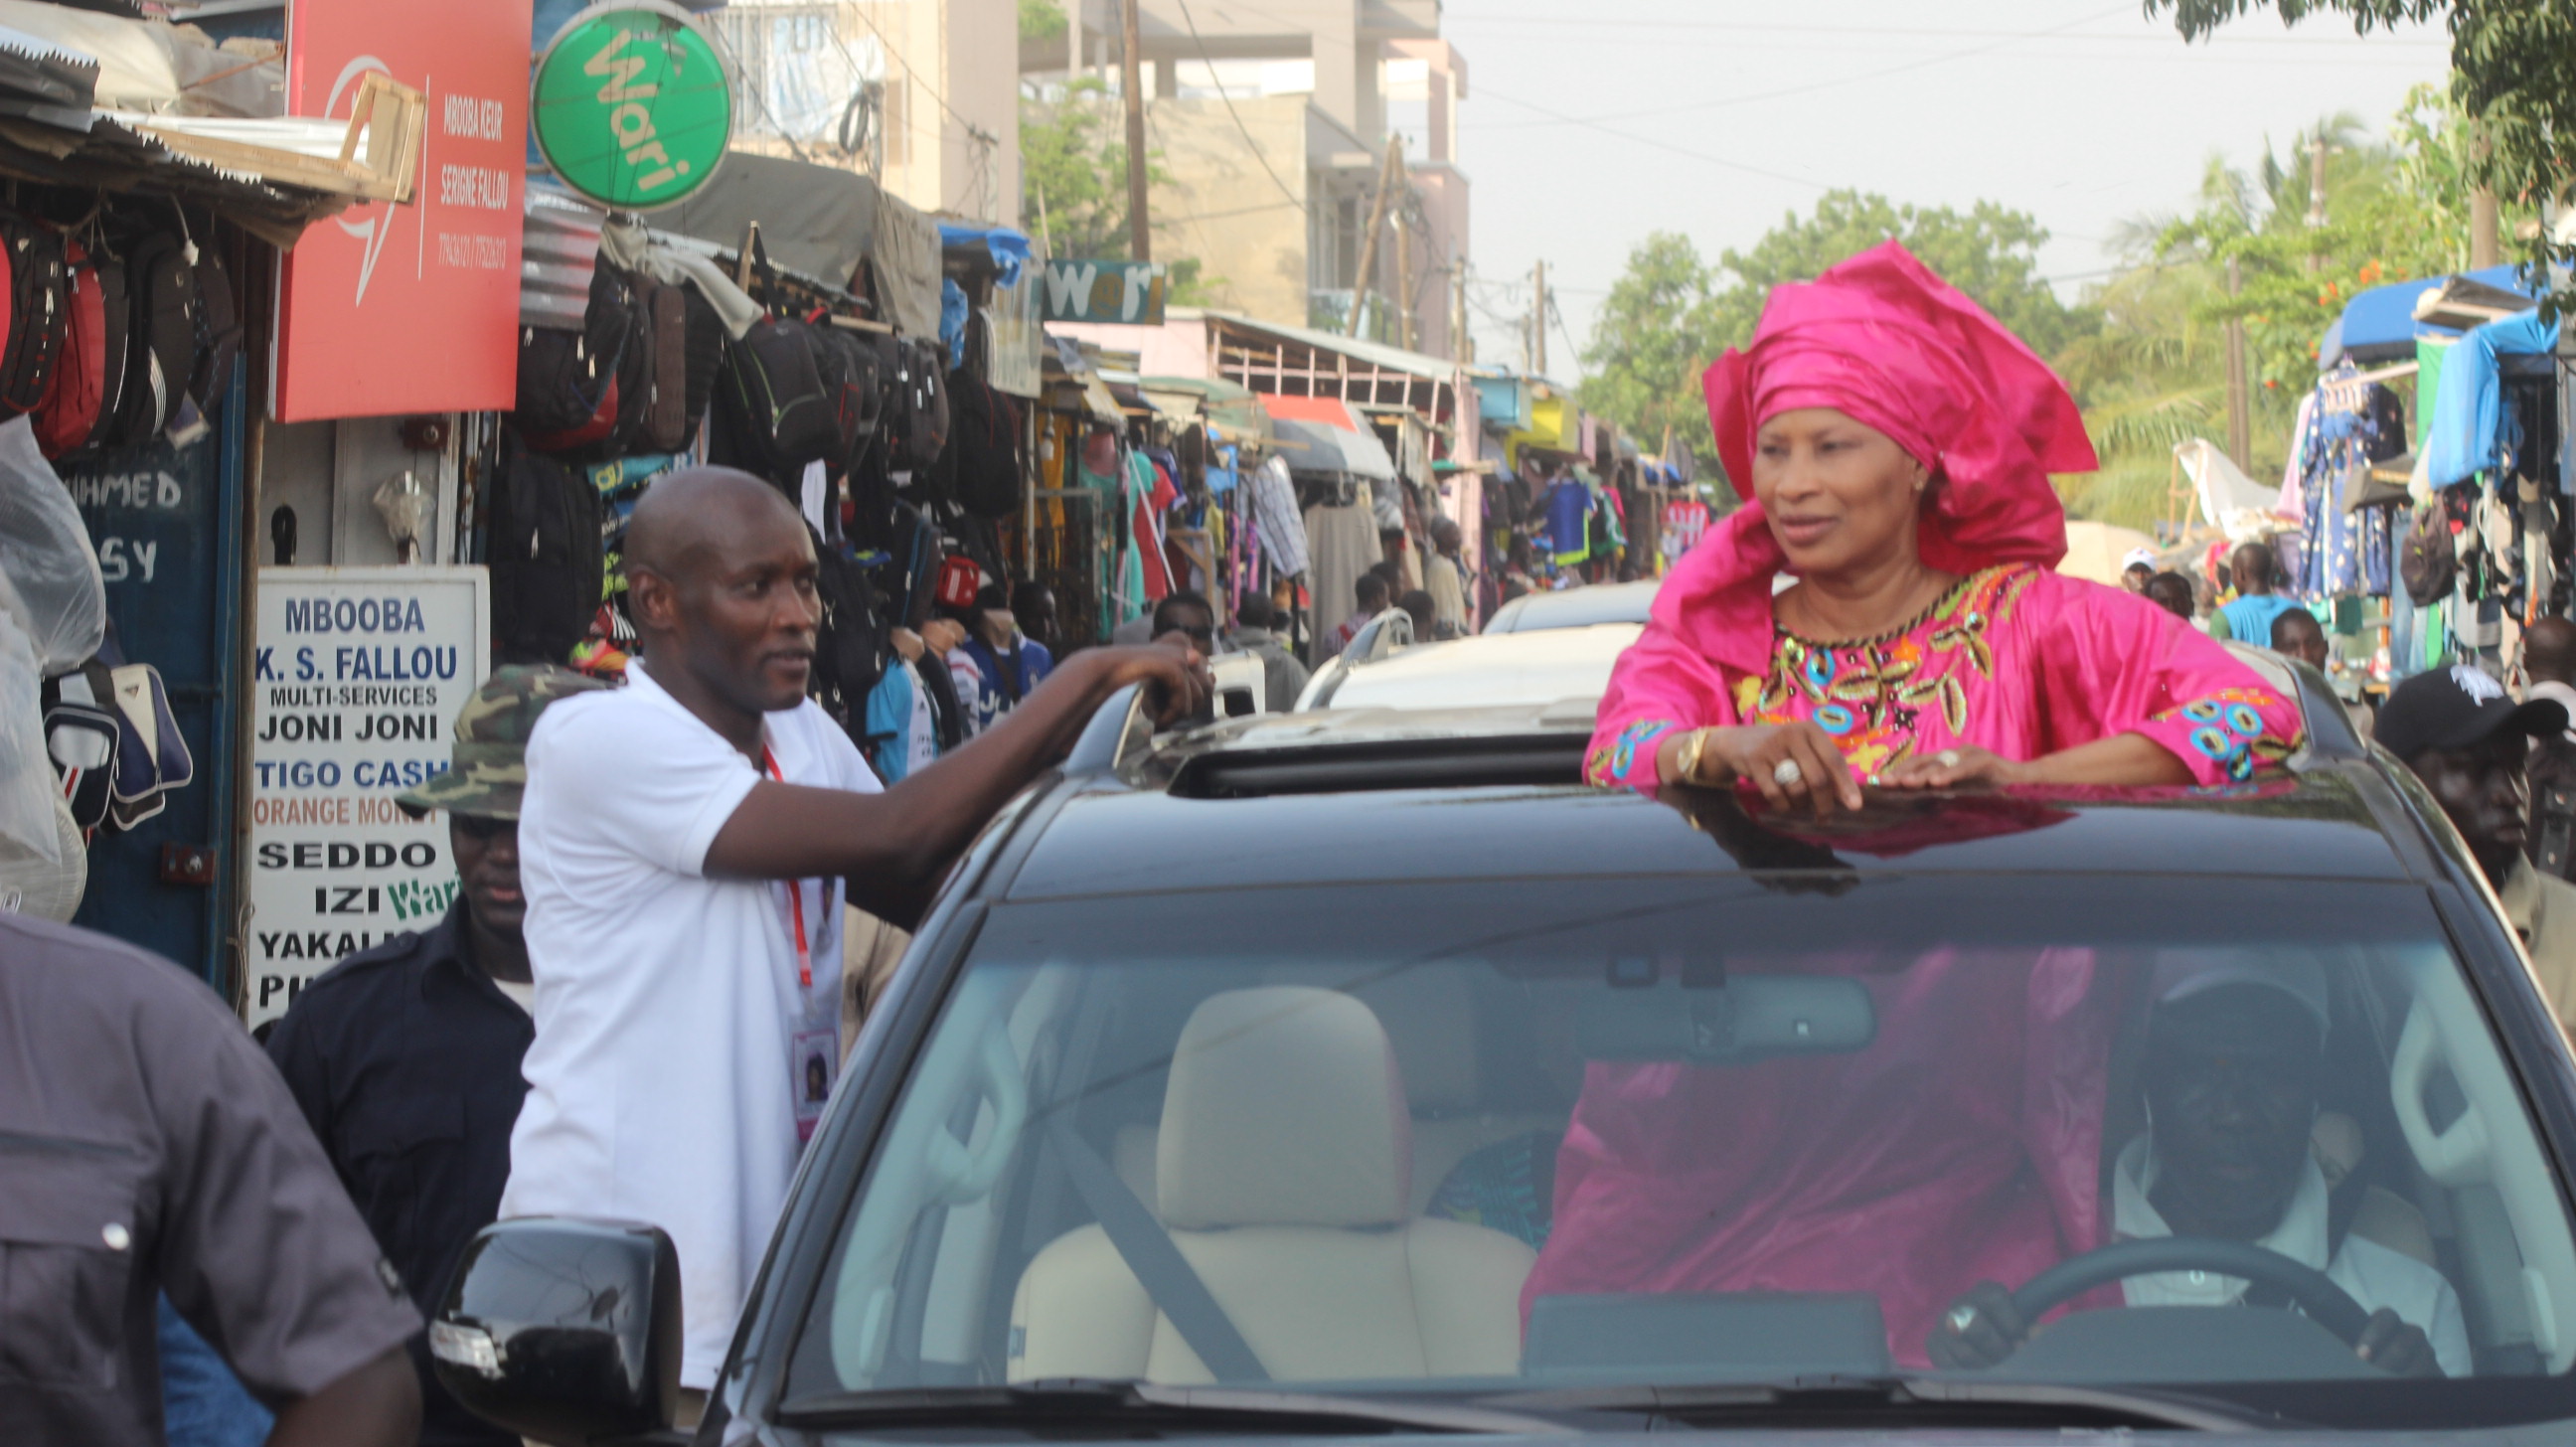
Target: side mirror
<point x="564" y="1330"/>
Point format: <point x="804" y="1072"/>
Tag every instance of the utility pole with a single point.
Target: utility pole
<point x="1131" y="84"/>
<point x="1404" y="282"/>
<point x="1462" y="348"/>
<point x="1386" y="183"/>
<point x="1538" y="319"/>
<point x="1072" y="41"/>
<point x="2240" y="403"/>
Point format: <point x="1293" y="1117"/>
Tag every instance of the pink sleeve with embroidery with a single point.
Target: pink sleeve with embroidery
<point x="2113" y="663"/>
<point x="1660" y="684"/>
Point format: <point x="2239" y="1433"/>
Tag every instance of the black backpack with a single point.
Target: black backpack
<point x="576" y="389"/>
<point x="545" y="557"/>
<point x="921" y="406"/>
<point x="219" y="332"/>
<point x="981" y="468"/>
<point x="850" y="641"/>
<point x="161" y="350"/>
<point x="39" y="312"/>
<point x="773" y="385"/>
<point x="854" y="387"/>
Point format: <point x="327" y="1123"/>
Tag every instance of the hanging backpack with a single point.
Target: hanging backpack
<point x="572" y="385"/>
<point x="921" y="399"/>
<point x="850" y="639"/>
<point x="37" y="313"/>
<point x="773" y="384"/>
<point x="545" y="557"/>
<point x="849" y="369"/>
<point x="116" y="346"/>
<point x="78" y="386"/>
<point x="667" y="417"/>
<point x="219" y="332"/>
<point x="161" y="347"/>
<point x="982" y="462"/>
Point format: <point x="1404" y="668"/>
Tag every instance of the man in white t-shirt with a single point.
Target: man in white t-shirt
<point x="685" y="846"/>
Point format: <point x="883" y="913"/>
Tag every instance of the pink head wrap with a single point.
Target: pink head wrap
<point x="1883" y="340"/>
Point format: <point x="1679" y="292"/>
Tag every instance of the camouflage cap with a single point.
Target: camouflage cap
<point x="491" y="769"/>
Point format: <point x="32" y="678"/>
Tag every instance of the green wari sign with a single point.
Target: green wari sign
<point x="631" y="107"/>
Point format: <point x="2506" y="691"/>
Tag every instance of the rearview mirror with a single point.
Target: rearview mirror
<point x="564" y="1330"/>
<point x="1748" y="1019"/>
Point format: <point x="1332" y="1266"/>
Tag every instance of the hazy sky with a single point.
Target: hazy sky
<point x="1588" y="126"/>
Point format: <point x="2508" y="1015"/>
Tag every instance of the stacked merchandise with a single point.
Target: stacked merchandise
<point x="898" y="462"/>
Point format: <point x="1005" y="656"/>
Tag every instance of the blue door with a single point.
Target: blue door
<point x="167" y="525"/>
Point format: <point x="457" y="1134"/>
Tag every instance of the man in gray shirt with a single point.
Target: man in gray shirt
<point x="1283" y="677"/>
<point x="147" y="1146"/>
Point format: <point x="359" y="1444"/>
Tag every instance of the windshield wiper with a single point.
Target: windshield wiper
<point x="1826" y="1401"/>
<point x="1133" y="1405"/>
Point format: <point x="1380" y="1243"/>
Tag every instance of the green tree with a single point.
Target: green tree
<point x="1073" y="165"/>
<point x="1671" y="314"/>
<point x="1041" y="20"/>
<point x="1648" y="346"/>
<point x="2513" y="80"/>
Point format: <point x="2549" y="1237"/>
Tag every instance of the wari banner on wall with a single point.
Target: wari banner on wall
<point x="358" y="675"/>
<point x="1128" y="292"/>
<point x="389" y="309"/>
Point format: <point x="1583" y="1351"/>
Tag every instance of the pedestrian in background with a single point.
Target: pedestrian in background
<point x="686" y="844"/>
<point x="146" y="1147"/>
<point x="1282" y="676"/>
<point x="2468" y="741"/>
<point x="1445" y="579"/>
<point x="405" y="1058"/>
<point x="1008" y="663"/>
<point x="2256" y="572"/>
<point x="1372" y="595"/>
<point x="2171" y="591"/>
<point x="2549" y="661"/>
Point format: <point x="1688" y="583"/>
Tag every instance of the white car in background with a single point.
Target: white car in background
<point x="1542" y="648"/>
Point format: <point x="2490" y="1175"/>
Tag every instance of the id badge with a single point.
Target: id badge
<point x="815" y="1058"/>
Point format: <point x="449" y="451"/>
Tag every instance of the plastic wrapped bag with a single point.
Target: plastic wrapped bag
<point x="45" y="552"/>
<point x="26" y="774"/>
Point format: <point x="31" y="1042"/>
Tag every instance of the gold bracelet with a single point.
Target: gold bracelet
<point x="1688" y="759"/>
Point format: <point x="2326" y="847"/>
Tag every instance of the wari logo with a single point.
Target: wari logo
<point x="631" y="106"/>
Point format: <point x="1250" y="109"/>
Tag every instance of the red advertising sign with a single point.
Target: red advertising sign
<point x="391" y="309"/>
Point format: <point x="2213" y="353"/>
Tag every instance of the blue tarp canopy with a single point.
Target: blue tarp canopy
<point x="2379" y="325"/>
<point x="1009" y="249"/>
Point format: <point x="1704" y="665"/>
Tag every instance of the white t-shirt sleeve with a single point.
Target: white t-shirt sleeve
<point x="629" y="778"/>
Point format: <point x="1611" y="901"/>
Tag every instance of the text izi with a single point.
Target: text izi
<point x="632" y="122"/>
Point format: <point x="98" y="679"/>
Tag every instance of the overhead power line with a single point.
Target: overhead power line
<point x="1249" y="143"/>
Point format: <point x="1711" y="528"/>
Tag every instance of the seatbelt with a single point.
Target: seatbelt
<point x="1160" y="1268"/>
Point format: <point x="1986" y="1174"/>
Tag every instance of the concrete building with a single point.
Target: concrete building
<point x="922" y="94"/>
<point x="1270" y="126"/>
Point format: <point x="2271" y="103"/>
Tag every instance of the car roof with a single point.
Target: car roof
<point x="1364" y="796"/>
<point x="1576" y="607"/>
<point x="1518" y="668"/>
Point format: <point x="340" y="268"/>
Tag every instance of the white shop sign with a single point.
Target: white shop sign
<point x="359" y="675"/>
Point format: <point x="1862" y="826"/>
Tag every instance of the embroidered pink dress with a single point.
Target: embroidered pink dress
<point x="2014" y="658"/>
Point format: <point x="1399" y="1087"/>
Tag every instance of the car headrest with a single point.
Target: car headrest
<point x="1285" y="1108"/>
<point x="1429" y="1012"/>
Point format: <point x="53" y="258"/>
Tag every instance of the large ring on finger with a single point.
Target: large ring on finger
<point x="1962" y="1318"/>
<point x="1947" y="758"/>
<point x="1786" y="772"/>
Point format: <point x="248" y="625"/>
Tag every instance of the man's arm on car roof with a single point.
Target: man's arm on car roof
<point x="894" y="846"/>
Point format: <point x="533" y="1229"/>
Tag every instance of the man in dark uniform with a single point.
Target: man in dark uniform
<point x="146" y="1148"/>
<point x="406" y="1058"/>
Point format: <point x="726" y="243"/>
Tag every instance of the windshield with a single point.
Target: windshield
<point x="1545" y="1134"/>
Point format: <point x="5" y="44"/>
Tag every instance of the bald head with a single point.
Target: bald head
<point x="698" y="513"/>
<point x="2549" y="651"/>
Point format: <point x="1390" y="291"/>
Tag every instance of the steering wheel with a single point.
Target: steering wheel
<point x="2326" y="1304"/>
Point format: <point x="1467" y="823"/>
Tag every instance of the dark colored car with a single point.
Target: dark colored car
<point x="1363" y="1073"/>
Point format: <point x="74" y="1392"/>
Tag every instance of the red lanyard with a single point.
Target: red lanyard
<point x="795" y="896"/>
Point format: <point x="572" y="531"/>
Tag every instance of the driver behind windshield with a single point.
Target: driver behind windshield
<point x="2235" y="1055"/>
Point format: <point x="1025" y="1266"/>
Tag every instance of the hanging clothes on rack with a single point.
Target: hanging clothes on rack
<point x="2346" y="552"/>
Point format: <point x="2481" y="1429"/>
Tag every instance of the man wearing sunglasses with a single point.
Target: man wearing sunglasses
<point x="405" y="1058"/>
